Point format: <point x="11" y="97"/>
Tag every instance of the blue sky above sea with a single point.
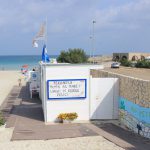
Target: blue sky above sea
<point x="121" y="25"/>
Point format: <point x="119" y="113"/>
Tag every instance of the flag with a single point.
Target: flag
<point x="35" y="44"/>
<point x="45" y="57"/>
<point x="40" y="36"/>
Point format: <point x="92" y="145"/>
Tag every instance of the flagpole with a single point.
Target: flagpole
<point x="93" y="41"/>
<point x="42" y="36"/>
<point x="45" y="33"/>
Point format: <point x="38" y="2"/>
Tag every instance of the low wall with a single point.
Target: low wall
<point x="134" y="101"/>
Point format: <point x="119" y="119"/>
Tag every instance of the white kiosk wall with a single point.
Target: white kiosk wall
<point x="80" y="104"/>
<point x="95" y="98"/>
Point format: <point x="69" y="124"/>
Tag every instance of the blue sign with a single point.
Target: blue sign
<point x="66" y="89"/>
<point x="33" y="75"/>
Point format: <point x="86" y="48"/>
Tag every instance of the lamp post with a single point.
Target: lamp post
<point x="93" y="40"/>
<point x="91" y="46"/>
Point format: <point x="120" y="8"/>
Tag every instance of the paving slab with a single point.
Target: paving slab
<point x="47" y="132"/>
<point x="11" y="100"/>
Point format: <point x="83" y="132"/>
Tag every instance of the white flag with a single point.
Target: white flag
<point x="41" y="34"/>
<point x="35" y="44"/>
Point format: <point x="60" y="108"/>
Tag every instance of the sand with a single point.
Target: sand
<point x="100" y="59"/>
<point x="10" y="78"/>
<point x="7" y="80"/>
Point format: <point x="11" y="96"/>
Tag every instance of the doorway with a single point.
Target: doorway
<point x="104" y="98"/>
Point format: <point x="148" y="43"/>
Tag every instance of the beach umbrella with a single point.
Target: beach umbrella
<point x="25" y="66"/>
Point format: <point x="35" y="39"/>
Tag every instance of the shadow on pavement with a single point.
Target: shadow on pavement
<point x="122" y="137"/>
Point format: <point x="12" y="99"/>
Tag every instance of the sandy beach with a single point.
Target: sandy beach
<point x="7" y="80"/>
<point x="10" y="78"/>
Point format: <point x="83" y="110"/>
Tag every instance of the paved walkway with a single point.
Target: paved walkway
<point x="27" y="119"/>
<point x="13" y="99"/>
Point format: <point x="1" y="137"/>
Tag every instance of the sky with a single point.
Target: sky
<point x="120" y="26"/>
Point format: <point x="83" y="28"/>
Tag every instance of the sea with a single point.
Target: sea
<point x="16" y="62"/>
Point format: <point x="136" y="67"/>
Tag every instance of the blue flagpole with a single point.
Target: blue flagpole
<point x="45" y="57"/>
<point x="45" y="33"/>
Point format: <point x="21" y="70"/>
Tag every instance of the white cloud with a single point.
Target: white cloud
<point x="74" y="18"/>
<point x="129" y="16"/>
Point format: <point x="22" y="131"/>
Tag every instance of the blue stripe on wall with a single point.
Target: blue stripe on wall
<point x="139" y="112"/>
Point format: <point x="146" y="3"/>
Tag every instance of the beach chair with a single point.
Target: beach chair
<point x="34" y="88"/>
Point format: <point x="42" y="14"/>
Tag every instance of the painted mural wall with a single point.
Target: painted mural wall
<point x="134" y="102"/>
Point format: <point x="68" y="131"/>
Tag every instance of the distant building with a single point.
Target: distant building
<point x="130" y="56"/>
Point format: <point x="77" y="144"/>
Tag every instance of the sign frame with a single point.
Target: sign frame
<point x="67" y="98"/>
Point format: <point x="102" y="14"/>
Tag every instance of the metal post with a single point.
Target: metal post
<point x="91" y="46"/>
<point x="45" y="34"/>
<point x="46" y="31"/>
<point x="93" y="39"/>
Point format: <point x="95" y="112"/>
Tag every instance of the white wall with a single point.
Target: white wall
<point x="42" y="93"/>
<point x="80" y="106"/>
<point x="104" y="98"/>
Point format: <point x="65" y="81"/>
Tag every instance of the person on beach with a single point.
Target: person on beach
<point x="19" y="81"/>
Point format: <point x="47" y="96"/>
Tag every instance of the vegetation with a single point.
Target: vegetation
<point x="143" y="64"/>
<point x="2" y="121"/>
<point x="138" y="64"/>
<point x="67" y="116"/>
<point x="73" y="56"/>
<point x="126" y="63"/>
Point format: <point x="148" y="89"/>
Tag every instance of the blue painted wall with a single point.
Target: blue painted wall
<point x="140" y="113"/>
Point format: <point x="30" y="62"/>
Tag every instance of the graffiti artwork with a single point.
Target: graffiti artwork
<point x="139" y="112"/>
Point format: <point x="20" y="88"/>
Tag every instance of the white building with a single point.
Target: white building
<point x="66" y="88"/>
